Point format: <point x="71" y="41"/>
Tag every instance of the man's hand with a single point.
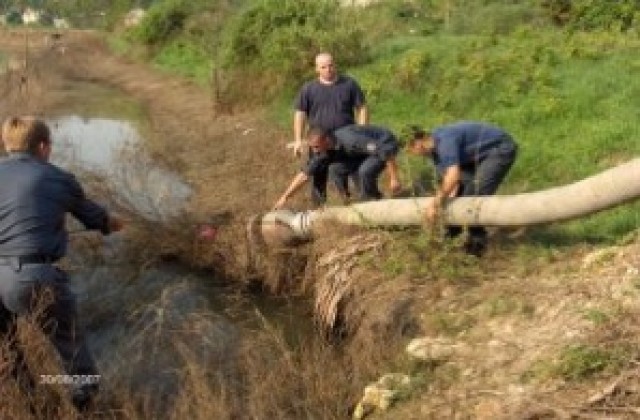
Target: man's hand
<point x="296" y="145"/>
<point x="433" y="210"/>
<point x="115" y="223"/>
<point x="280" y="203"/>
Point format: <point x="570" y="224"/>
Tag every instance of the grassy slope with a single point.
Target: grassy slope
<point x="571" y="107"/>
<point x="570" y="100"/>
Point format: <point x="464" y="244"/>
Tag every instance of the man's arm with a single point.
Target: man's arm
<point x="362" y="115"/>
<point x="392" y="170"/>
<point x="299" y="121"/>
<point x="92" y="215"/>
<point x="298" y="181"/>
<point x="449" y="184"/>
<point x="448" y="188"/>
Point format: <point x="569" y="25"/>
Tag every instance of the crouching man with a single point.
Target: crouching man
<point x="358" y="151"/>
<point x="34" y="198"/>
<point x="471" y="159"/>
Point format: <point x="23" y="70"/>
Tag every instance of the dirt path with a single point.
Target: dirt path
<point x="233" y="162"/>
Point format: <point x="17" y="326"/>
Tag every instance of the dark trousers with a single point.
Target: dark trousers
<point x="319" y="186"/>
<point x="364" y="172"/>
<point x="318" y="183"/>
<point x="484" y="178"/>
<point x="43" y="290"/>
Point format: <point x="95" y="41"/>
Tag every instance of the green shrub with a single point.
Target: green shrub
<point x="273" y="43"/>
<point x="161" y="21"/>
<point x="185" y="58"/>
<point x="593" y="14"/>
<point x="13" y="17"/>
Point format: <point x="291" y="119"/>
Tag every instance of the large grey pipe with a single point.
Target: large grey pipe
<point x="607" y="189"/>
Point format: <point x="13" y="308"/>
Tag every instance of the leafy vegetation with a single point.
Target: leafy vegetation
<point x="162" y="21"/>
<point x="566" y="95"/>
<point x="560" y="75"/>
<point x="578" y="362"/>
<point x="270" y="44"/>
<point x="594" y="14"/>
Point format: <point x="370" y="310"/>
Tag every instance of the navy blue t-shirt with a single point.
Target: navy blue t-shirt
<point x="34" y="198"/>
<point x="353" y="141"/>
<point x="464" y="142"/>
<point x="330" y="106"/>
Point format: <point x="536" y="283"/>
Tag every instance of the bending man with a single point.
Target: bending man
<point x="360" y="151"/>
<point x="471" y="158"/>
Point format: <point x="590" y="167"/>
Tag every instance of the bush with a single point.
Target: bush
<point x="161" y="21"/>
<point x="13" y="17"/>
<point x="273" y="43"/>
<point x="593" y="14"/>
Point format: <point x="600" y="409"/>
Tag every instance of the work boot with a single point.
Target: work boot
<point x="475" y="246"/>
<point x="82" y="397"/>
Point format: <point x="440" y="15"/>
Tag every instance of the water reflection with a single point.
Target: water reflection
<point x="112" y="149"/>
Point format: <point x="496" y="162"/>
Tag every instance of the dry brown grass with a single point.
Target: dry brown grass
<point x="179" y="365"/>
<point x="29" y="354"/>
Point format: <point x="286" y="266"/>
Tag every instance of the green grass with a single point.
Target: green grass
<point x="569" y="98"/>
<point x="579" y="362"/>
<point x="182" y="57"/>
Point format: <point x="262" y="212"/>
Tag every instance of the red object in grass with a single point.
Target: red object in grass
<point x="207" y="232"/>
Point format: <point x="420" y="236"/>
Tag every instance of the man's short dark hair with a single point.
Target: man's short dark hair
<point x="416" y="133"/>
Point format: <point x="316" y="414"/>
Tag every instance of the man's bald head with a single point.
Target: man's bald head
<point x="325" y="68"/>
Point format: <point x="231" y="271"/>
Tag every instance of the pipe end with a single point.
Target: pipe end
<point x="276" y="229"/>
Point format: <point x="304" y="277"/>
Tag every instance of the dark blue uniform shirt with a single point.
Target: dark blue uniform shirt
<point x="330" y="106"/>
<point x="34" y="197"/>
<point x="464" y="143"/>
<point x="356" y="141"/>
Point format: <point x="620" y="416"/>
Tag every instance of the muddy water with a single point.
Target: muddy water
<point x="113" y="149"/>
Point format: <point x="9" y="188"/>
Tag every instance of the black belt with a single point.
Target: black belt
<point x="27" y="259"/>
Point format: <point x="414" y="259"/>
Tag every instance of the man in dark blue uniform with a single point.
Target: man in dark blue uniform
<point x="361" y="151"/>
<point x="329" y="102"/>
<point x="34" y="199"/>
<point x="471" y="158"/>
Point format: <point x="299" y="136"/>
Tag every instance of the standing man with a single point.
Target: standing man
<point x="329" y="102"/>
<point x="361" y="151"/>
<point x="34" y="199"/>
<point x="471" y="158"/>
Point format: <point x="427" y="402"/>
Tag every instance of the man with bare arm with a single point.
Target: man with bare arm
<point x="360" y="151"/>
<point x="329" y="102"/>
<point x="471" y="158"/>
